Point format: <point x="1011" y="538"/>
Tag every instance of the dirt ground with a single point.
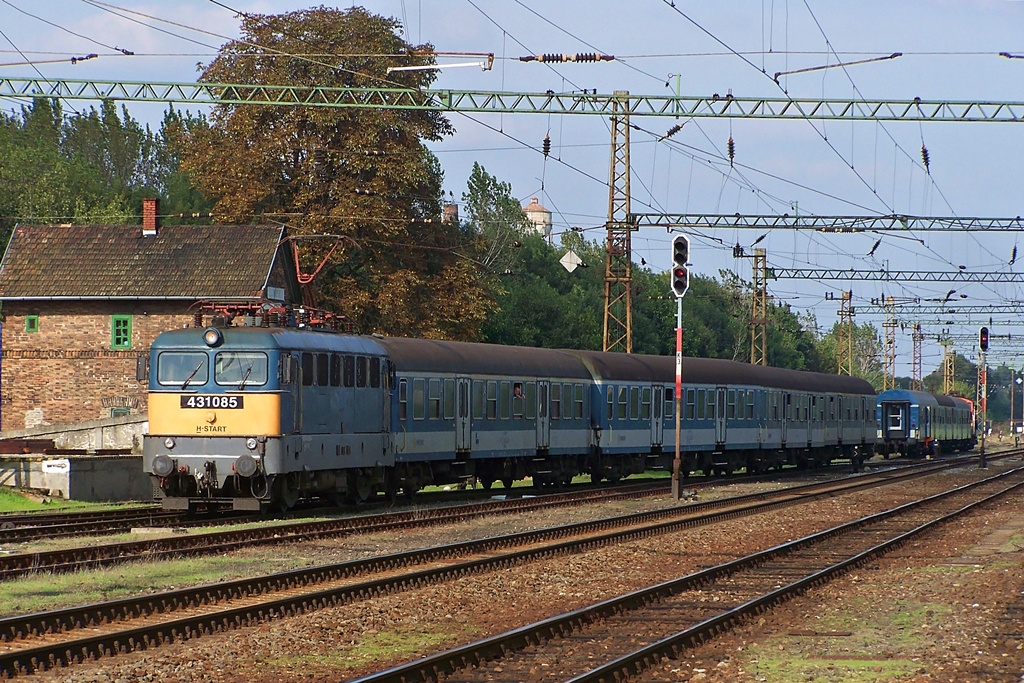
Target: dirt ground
<point x="949" y="607"/>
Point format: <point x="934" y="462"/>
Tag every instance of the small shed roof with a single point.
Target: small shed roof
<point x="119" y="262"/>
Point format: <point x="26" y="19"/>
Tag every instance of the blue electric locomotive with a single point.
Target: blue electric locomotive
<point x="250" y="417"/>
<point x="917" y="423"/>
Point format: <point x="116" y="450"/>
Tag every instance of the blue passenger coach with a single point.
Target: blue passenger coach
<point x="918" y="423"/>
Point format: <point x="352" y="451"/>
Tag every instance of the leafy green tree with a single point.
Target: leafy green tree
<point x="361" y="175"/>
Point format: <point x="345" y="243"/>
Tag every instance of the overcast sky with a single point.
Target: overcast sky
<point x="950" y="51"/>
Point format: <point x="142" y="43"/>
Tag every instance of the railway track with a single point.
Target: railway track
<point x="62" y="637"/>
<point x="624" y="637"/>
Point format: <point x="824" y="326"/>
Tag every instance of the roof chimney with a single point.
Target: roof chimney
<point x="150" y="208"/>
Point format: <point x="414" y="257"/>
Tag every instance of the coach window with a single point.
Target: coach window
<point x="620" y="412"/>
<point x="610" y="401"/>
<point x="711" y="404"/>
<point x="566" y="401"/>
<point x="307" y="369"/>
<point x="578" y="403"/>
<point x="556" y="401"/>
<point x="403" y="399"/>
<point x="492" y="400"/>
<point x="434" y="399"/>
<point x="670" y="403"/>
<point x="531" y="400"/>
<point x="731" y="405"/>
<point x="323" y="369"/>
<point x="691" y="404"/>
<point x="375" y="373"/>
<point x="335" y="370"/>
<point x="645" y="403"/>
<point x="634" y="403"/>
<point x="349" y="367"/>
<point x="750" y="404"/>
<point x="419" y="398"/>
<point x="506" y="400"/>
<point x="449" y="399"/>
<point x="701" y="402"/>
<point x="478" y="399"/>
<point x="518" y="400"/>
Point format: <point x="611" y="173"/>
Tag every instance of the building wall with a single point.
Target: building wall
<point x="67" y="371"/>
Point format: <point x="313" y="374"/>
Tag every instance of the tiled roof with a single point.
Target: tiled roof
<point x="187" y="261"/>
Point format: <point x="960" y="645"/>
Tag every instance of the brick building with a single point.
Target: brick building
<point x="81" y="305"/>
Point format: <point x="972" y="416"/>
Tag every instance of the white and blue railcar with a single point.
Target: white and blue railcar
<point x="917" y="423"/>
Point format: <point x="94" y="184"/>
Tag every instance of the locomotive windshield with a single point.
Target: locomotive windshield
<point x="241" y="369"/>
<point x="182" y="368"/>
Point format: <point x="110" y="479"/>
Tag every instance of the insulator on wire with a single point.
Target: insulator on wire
<point x="578" y="57"/>
<point x="673" y="130"/>
<point x="547" y="145"/>
<point x="360" y="190"/>
<point x="926" y="158"/>
<point x="732" y="150"/>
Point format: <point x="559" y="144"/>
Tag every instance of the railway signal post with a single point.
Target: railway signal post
<point x="983" y="337"/>
<point x="679" y="280"/>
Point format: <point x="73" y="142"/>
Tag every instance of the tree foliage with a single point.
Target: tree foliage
<point x="361" y="175"/>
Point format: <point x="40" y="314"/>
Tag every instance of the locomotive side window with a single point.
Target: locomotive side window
<point x="335" y="370"/>
<point x="449" y="399"/>
<point x="403" y="399"/>
<point x="492" y="400"/>
<point x="242" y="369"/>
<point x="434" y="399"/>
<point x="323" y="369"/>
<point x="284" y="369"/>
<point x="307" y="369"/>
<point x="349" y="368"/>
<point x="375" y="373"/>
<point x="361" y="371"/>
<point x="177" y="367"/>
<point x="556" y="401"/>
<point x="419" y="397"/>
<point x="645" y="404"/>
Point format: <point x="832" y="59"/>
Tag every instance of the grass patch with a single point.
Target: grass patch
<point x="403" y="643"/>
<point x="20" y="500"/>
<point x="47" y="592"/>
<point x="789" y="669"/>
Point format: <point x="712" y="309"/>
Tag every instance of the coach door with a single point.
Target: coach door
<point x="543" y="416"/>
<point x="657" y="423"/>
<point x="720" y="393"/>
<point x="463" y="414"/>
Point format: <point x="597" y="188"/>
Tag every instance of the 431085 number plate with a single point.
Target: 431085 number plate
<point x="211" y="401"/>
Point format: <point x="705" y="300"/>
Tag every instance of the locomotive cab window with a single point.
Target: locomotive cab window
<point x="181" y="368"/>
<point x="375" y="373"/>
<point x="307" y="370"/>
<point x="323" y="369"/>
<point x="241" y="369"/>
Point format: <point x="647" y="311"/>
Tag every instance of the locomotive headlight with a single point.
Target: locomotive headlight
<point x="169" y="443"/>
<point x="250" y="443"/>
<point x="162" y="465"/>
<point x="213" y="337"/>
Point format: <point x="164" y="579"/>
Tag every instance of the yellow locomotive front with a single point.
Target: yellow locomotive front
<point x="214" y="418"/>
